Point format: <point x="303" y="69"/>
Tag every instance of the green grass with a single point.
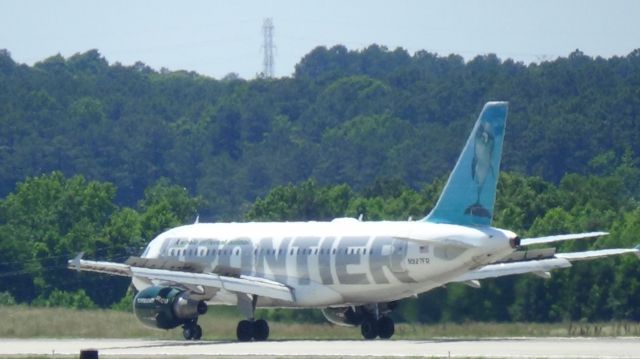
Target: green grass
<point x="220" y="323"/>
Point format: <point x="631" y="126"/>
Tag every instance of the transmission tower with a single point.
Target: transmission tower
<point x="268" y="47"/>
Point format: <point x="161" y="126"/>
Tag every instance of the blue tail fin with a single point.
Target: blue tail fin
<point x="470" y="193"/>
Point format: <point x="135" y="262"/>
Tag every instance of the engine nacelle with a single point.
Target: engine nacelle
<point x="344" y="316"/>
<point x="354" y="316"/>
<point x="166" y="307"/>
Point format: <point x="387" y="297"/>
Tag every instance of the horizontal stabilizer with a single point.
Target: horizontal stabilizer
<point x="541" y="267"/>
<point x="580" y="256"/>
<point x="504" y="269"/>
<point x="528" y="255"/>
<point x="560" y="238"/>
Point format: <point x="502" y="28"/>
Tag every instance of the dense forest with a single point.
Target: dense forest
<point x="100" y="157"/>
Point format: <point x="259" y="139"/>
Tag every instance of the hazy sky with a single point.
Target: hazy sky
<point x="218" y="37"/>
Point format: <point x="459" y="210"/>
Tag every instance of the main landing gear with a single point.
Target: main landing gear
<point x="192" y="331"/>
<point x="373" y="318"/>
<point x="249" y="329"/>
<point x="257" y="330"/>
<point x="382" y="327"/>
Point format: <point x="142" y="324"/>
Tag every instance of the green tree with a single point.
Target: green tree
<point x="48" y="220"/>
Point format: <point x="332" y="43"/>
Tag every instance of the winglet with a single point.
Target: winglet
<point x="75" y="262"/>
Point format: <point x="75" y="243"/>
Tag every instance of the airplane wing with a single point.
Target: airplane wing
<point x="540" y="267"/>
<point x="240" y="284"/>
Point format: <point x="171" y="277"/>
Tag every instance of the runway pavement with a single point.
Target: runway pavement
<point x="454" y="348"/>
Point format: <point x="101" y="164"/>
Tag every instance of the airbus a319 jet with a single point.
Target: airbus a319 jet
<point x="354" y="271"/>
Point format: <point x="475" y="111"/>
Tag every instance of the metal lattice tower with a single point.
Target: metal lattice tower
<point x="268" y="48"/>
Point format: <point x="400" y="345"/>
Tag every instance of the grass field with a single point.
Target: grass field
<point x="220" y="323"/>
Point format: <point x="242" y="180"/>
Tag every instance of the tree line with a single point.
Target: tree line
<point x="343" y="117"/>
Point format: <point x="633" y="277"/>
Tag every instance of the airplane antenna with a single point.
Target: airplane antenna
<point x="197" y="219"/>
<point x="360" y="217"/>
<point x="268" y="47"/>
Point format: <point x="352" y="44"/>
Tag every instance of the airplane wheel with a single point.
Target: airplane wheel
<point x="244" y="331"/>
<point x="192" y="332"/>
<point x="197" y="332"/>
<point x="187" y="333"/>
<point x="368" y="329"/>
<point x="260" y="330"/>
<point x="386" y="327"/>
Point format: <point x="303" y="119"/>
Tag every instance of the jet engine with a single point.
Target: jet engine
<point x="166" y="307"/>
<point x="354" y="316"/>
<point x="344" y="316"/>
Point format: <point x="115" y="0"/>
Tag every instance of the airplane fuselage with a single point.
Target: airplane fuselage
<point x="342" y="262"/>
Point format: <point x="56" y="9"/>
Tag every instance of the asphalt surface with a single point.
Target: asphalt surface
<point x="454" y="348"/>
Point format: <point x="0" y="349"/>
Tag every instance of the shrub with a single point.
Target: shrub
<point x="6" y="298"/>
<point x="76" y="300"/>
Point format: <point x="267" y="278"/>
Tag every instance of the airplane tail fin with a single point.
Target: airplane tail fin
<point x="470" y="193"/>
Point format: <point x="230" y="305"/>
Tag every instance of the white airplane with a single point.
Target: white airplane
<point x="354" y="271"/>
